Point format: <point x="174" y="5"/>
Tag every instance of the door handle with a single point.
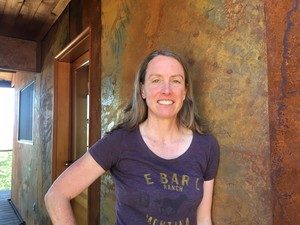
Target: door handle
<point x="68" y="163"/>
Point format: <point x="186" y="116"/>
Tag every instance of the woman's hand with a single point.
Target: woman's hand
<point x="68" y="185"/>
<point x="204" y="209"/>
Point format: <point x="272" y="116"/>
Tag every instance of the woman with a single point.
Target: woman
<point x="162" y="163"/>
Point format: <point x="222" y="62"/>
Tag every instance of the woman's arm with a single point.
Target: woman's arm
<point x="204" y="209"/>
<point x="68" y="185"/>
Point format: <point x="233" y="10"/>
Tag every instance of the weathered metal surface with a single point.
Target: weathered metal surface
<point x="32" y="163"/>
<point x="18" y="54"/>
<point x="224" y="44"/>
<point x="283" y="41"/>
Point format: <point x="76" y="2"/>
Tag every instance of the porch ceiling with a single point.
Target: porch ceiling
<point x="29" y="19"/>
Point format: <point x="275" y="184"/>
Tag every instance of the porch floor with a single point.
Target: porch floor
<point x="7" y="214"/>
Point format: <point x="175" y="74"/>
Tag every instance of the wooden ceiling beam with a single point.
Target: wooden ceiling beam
<point x="18" y="54"/>
<point x="29" y="9"/>
<point x="9" y="14"/>
<point x="60" y="6"/>
<point x="43" y="9"/>
<point x="29" y="19"/>
<point x="11" y="11"/>
<point x="55" y="13"/>
<point x="26" y="15"/>
<point x="2" y="6"/>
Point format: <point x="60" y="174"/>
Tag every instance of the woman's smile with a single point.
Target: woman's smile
<point x="165" y="102"/>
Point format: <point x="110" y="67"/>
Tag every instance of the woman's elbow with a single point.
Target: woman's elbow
<point x="54" y="196"/>
<point x="49" y="197"/>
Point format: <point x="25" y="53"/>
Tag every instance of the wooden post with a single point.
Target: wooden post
<point x="95" y="102"/>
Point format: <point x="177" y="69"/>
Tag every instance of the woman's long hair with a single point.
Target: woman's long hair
<point x="136" y="110"/>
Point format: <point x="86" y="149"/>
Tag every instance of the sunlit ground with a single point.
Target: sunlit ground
<point x="5" y="170"/>
<point x="6" y="117"/>
<point x="6" y="135"/>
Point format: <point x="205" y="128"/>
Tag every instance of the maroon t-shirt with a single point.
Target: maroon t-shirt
<point x="153" y="190"/>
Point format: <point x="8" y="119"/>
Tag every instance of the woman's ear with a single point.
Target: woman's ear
<point x="143" y="91"/>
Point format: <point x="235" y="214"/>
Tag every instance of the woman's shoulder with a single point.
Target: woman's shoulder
<point x="207" y="138"/>
<point x="119" y="133"/>
<point x="115" y="138"/>
<point x="207" y="143"/>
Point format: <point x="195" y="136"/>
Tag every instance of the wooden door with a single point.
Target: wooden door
<point x="79" y="127"/>
<point x="76" y="94"/>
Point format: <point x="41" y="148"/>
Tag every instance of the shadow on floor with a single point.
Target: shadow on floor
<point x="8" y="216"/>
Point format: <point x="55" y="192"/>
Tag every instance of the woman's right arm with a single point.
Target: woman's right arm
<point x="68" y="185"/>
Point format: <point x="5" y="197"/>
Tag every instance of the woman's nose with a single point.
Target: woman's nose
<point x="166" y="89"/>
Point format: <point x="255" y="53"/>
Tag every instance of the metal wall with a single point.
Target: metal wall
<point x="283" y="39"/>
<point x="224" y="43"/>
<point x="244" y="60"/>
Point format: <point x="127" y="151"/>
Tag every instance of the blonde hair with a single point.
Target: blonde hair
<point x="136" y="110"/>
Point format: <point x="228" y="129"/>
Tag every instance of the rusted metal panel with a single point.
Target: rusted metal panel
<point x="224" y="44"/>
<point x="17" y="54"/>
<point x="283" y="42"/>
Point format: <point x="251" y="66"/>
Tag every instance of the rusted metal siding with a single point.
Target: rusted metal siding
<point x="283" y="41"/>
<point x="32" y="163"/>
<point x="244" y="60"/>
<point x="18" y="54"/>
<point x="224" y="43"/>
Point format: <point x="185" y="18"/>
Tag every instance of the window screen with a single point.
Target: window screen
<point x="26" y="113"/>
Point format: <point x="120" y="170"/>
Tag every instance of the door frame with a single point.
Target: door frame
<point x="62" y="111"/>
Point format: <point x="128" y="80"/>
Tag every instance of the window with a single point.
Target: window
<point x="26" y="113"/>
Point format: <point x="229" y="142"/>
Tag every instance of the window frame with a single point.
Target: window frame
<point x="25" y="141"/>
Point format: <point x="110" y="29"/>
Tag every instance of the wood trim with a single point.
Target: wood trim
<point x="6" y="76"/>
<point x="76" y="48"/>
<point x="81" y="46"/>
<point x="83" y="59"/>
<point x="61" y="118"/>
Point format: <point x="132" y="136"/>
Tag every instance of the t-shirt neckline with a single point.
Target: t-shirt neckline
<point x="153" y="155"/>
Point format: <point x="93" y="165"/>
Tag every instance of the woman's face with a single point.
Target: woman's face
<point x="164" y="87"/>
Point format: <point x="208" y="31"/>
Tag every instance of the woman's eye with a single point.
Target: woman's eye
<point x="177" y="81"/>
<point x="155" y="80"/>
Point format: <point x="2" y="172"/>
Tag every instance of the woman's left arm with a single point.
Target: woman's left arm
<point x="204" y="209"/>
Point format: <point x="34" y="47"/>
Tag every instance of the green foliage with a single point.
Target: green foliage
<point x="5" y="170"/>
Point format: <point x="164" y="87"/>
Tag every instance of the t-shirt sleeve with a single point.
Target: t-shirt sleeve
<point x="105" y="151"/>
<point x="213" y="160"/>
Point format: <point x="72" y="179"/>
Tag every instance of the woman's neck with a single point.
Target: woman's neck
<point x="162" y="130"/>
